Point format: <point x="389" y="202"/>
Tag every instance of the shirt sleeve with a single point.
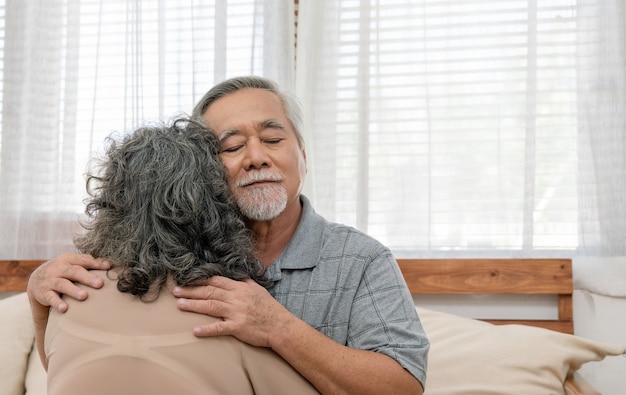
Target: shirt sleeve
<point x="383" y="317"/>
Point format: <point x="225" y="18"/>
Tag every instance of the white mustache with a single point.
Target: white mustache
<point x="258" y="176"/>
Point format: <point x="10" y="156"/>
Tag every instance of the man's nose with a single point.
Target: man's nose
<point x="256" y="156"/>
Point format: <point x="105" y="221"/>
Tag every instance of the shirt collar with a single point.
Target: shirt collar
<point x="305" y="245"/>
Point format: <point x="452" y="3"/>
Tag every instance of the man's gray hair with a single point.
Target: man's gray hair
<point x="160" y="206"/>
<point x="291" y="104"/>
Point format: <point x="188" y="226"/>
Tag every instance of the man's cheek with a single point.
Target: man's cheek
<point x="231" y="165"/>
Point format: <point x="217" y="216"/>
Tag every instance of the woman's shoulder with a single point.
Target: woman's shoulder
<point x="108" y="308"/>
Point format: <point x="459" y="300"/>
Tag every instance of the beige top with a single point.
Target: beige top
<point x="113" y="343"/>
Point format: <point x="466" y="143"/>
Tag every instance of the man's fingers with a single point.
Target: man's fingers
<point x="200" y="292"/>
<point x="223" y="282"/>
<point x="209" y="307"/>
<point x="215" y="329"/>
<point x="62" y="286"/>
<point x="80" y="275"/>
<point x="84" y="260"/>
<point x="60" y="275"/>
<point x="56" y="302"/>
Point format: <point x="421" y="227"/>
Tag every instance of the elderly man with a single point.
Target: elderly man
<point x="339" y="311"/>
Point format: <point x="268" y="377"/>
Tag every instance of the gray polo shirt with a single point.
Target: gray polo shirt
<point x="348" y="286"/>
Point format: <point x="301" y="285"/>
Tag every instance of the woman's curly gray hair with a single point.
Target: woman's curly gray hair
<point x="160" y="206"/>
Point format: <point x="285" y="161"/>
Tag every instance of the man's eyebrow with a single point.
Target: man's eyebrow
<point x="228" y="133"/>
<point x="268" y="123"/>
<point x="271" y="123"/>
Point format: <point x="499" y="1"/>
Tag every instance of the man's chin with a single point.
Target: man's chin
<point x="261" y="209"/>
<point x="262" y="204"/>
<point x="261" y="214"/>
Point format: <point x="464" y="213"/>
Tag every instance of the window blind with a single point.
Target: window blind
<point x="452" y="127"/>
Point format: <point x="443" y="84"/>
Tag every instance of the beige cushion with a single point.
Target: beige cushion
<point x="17" y="335"/>
<point x="35" y="375"/>
<point x="474" y="357"/>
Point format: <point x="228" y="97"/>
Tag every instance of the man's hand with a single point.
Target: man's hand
<point x="247" y="310"/>
<point x="252" y="315"/>
<point x="56" y="277"/>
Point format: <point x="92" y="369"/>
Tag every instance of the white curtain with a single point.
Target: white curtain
<point x="468" y="128"/>
<point x="473" y="128"/>
<point x="74" y="71"/>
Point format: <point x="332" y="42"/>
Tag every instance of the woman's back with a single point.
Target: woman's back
<point x="113" y="343"/>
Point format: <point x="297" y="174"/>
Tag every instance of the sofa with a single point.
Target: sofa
<point x="468" y="356"/>
<point x="21" y="372"/>
<point x="600" y="307"/>
<point x="484" y="355"/>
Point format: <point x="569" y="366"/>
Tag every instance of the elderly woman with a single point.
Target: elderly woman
<point x="161" y="214"/>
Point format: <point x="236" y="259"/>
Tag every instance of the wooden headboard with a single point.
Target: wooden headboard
<point x="14" y="274"/>
<point x="497" y="276"/>
<point x="444" y="276"/>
